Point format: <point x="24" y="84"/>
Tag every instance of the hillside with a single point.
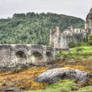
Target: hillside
<point x="33" y="28"/>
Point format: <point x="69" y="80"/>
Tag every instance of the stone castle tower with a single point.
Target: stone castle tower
<point x="59" y="39"/>
<point x="55" y="37"/>
<point x="88" y="24"/>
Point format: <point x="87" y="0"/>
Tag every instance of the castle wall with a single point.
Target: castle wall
<point x="88" y="25"/>
<point x="67" y="36"/>
<point x="71" y="35"/>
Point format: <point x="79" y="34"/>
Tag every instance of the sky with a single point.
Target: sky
<point x="77" y="8"/>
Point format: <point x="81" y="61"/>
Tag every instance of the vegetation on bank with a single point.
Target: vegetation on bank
<point x="64" y="86"/>
<point x="70" y="85"/>
<point x="25" y="79"/>
<point x="34" y="28"/>
<point x="77" y="53"/>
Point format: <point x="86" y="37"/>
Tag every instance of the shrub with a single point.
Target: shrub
<point x="78" y="44"/>
<point x="72" y="44"/>
<point x="84" y="44"/>
<point x="79" y="49"/>
<point x="90" y="39"/>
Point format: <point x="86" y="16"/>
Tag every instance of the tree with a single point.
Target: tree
<point x="90" y="39"/>
<point x="72" y="44"/>
<point x="34" y="28"/>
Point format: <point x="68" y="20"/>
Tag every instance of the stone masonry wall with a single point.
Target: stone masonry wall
<point x="88" y="25"/>
<point x="14" y="54"/>
<point x="69" y="35"/>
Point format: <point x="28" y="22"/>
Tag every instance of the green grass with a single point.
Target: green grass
<point x="79" y="53"/>
<point x="64" y="86"/>
<point x="87" y="49"/>
<point x="85" y="89"/>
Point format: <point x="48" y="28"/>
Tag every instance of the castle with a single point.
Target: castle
<point x="60" y="39"/>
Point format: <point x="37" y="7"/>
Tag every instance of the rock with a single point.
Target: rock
<point x="4" y="69"/>
<point x="4" y="84"/>
<point x="54" y="75"/>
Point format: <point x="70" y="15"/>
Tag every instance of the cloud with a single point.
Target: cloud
<point x="78" y="8"/>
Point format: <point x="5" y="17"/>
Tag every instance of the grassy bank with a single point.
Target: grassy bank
<point x="78" y="53"/>
<point x="64" y="86"/>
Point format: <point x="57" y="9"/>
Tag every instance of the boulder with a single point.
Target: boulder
<point x="54" y="75"/>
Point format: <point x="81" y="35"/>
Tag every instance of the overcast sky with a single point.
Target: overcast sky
<point x="78" y="8"/>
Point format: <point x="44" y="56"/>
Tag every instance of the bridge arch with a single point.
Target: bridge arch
<point x="20" y="54"/>
<point x="49" y="54"/>
<point x="36" y="57"/>
<point x="20" y="57"/>
<point x="37" y="54"/>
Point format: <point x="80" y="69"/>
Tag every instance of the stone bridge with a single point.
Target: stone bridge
<point x="13" y="54"/>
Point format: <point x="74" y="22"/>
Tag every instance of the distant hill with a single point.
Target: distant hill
<point x="33" y="28"/>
